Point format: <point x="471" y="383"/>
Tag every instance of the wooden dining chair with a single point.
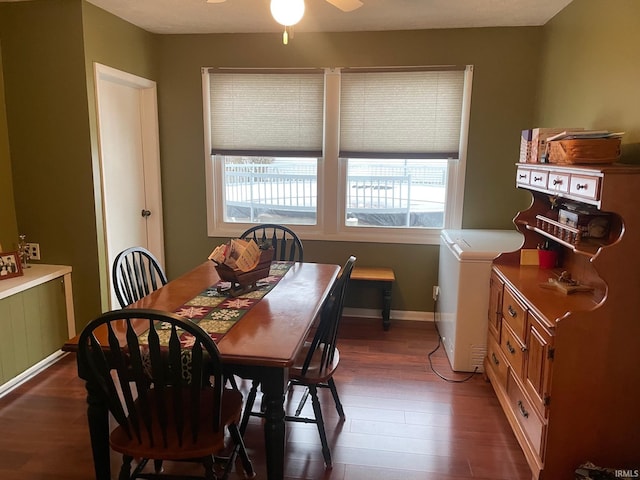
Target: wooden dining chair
<point x="135" y="274"/>
<point x="316" y="363"/>
<point x="164" y="388"/>
<point x="286" y="244"/>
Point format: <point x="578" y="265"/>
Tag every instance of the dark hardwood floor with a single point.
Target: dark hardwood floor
<point x="403" y="421"/>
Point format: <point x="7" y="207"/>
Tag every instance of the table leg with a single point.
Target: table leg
<point x="273" y="385"/>
<point x="98" y="416"/>
<point x="386" y="305"/>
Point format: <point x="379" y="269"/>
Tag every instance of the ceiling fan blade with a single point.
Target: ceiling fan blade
<point x="346" y="5"/>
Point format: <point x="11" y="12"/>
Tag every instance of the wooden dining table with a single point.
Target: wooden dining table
<point x="262" y="345"/>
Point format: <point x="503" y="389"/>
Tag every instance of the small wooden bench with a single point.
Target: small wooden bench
<point x="383" y="276"/>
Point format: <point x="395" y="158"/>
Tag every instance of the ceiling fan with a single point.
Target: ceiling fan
<point x="290" y="12"/>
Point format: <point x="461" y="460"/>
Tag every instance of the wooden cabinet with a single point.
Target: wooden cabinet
<point x="496" y="289"/>
<point x="36" y="318"/>
<point x="565" y="366"/>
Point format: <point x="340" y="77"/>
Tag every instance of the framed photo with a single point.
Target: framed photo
<point x="10" y="265"/>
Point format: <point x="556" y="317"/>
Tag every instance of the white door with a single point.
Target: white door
<point x="130" y="164"/>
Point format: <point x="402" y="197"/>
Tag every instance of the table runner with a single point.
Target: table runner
<point x="216" y="311"/>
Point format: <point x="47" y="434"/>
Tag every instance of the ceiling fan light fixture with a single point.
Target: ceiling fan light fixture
<point x="287" y="12"/>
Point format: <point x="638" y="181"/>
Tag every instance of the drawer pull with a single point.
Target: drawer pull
<point x="523" y="412"/>
<point x="581" y="186"/>
<point x="495" y="359"/>
<point x="557" y="181"/>
<point x="521" y="176"/>
<point x="537" y="179"/>
<point x="512" y="312"/>
<point x="510" y="348"/>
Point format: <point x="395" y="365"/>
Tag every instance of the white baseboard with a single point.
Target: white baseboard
<point x="395" y="314"/>
<point x="30" y="373"/>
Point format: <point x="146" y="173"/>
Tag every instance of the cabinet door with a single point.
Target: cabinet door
<point x="53" y="314"/>
<point x="45" y="319"/>
<point x="13" y="340"/>
<point x="494" y="314"/>
<point x="538" y="363"/>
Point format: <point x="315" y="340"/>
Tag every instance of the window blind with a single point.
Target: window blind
<point x="274" y="113"/>
<point x="401" y="113"/>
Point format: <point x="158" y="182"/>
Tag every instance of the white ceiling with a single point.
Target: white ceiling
<point x="241" y="16"/>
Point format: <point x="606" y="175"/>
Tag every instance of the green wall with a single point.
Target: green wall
<point x="580" y="69"/>
<point x="48" y="50"/>
<point x="502" y="105"/>
<point x="8" y="223"/>
<point x="591" y="70"/>
<point x="46" y="102"/>
<point x="108" y="40"/>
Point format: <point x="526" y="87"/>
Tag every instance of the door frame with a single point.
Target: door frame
<point x="150" y="158"/>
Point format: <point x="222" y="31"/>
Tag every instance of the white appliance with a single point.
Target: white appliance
<point x="463" y="298"/>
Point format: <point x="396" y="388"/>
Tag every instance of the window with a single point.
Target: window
<point x="266" y="132"/>
<point x="270" y="189"/>
<point x="396" y="193"/>
<point x="345" y="154"/>
<point x="407" y="126"/>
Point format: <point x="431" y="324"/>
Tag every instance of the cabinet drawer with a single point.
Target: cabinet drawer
<point x="522" y="176"/>
<point x="526" y="415"/>
<point x="497" y="362"/>
<point x="585" y="186"/>
<point x="558" y="182"/>
<point x="514" y="314"/>
<point x="538" y="179"/>
<point x="513" y="349"/>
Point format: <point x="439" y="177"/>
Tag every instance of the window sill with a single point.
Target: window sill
<point x="406" y="236"/>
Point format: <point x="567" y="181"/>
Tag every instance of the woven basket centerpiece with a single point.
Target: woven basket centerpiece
<point x="247" y="278"/>
<point x="242" y="263"/>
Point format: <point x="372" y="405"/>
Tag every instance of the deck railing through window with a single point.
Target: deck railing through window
<point x="384" y="194"/>
<point x="255" y="190"/>
<point x="379" y="195"/>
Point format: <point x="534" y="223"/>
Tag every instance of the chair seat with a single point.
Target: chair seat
<point x="316" y="372"/>
<point x="208" y="439"/>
